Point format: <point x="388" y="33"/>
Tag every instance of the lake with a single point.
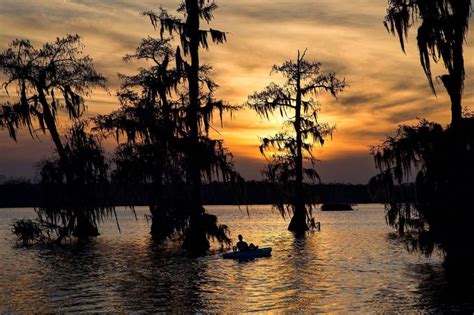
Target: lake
<point x="354" y="264"/>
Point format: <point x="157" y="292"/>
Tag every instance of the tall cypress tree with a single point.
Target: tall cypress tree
<point x="441" y="157"/>
<point x="302" y="131"/>
<point x="40" y="76"/>
<point x="153" y="119"/>
<point x="179" y="95"/>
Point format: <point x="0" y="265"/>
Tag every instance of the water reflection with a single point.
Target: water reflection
<point x="353" y="265"/>
<point x="161" y="280"/>
<point x="115" y="277"/>
<point x="304" y="273"/>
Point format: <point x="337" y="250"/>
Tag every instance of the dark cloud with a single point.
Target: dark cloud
<point x="19" y="159"/>
<point x="298" y="11"/>
<point x="356" y="99"/>
<point x="353" y="168"/>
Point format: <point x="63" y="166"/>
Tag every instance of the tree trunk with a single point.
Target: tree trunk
<point x="51" y="124"/>
<point x="195" y="238"/>
<point x="161" y="229"/>
<point x="298" y="221"/>
<point x="459" y="250"/>
<point x="454" y="86"/>
<point x="158" y="229"/>
<point x="457" y="222"/>
<point x="84" y="227"/>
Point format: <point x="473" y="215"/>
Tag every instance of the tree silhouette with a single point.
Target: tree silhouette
<point x="38" y="76"/>
<point x="74" y="188"/>
<point x="442" y="214"/>
<point x="441" y="157"/>
<point x="302" y="131"/>
<point x="441" y="36"/>
<point x="49" y="80"/>
<point x="151" y="122"/>
<point x="203" y="155"/>
<point x="161" y="152"/>
<point x="413" y="147"/>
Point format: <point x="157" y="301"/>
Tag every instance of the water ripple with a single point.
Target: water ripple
<point x="354" y="264"/>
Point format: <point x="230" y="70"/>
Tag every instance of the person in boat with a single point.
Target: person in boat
<point x="241" y="245"/>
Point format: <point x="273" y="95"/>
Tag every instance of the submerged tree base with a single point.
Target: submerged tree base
<point x="298" y="225"/>
<point x="201" y="229"/>
<point x="85" y="230"/>
<point x="38" y="231"/>
<point x="195" y="241"/>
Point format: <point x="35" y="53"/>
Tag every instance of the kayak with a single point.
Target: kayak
<point x="250" y="254"/>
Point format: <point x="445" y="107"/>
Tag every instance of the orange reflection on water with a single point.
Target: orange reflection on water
<point x="352" y="265"/>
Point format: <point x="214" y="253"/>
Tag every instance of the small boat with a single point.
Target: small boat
<point x="336" y="207"/>
<point x="250" y="254"/>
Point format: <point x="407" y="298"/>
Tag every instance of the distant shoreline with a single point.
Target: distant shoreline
<point x="204" y="205"/>
<point x="28" y="195"/>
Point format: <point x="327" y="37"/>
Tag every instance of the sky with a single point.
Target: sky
<point x="386" y="87"/>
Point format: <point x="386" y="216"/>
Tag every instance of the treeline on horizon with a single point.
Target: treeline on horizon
<point x="21" y="193"/>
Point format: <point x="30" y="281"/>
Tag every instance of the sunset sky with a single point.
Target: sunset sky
<point x="387" y="87"/>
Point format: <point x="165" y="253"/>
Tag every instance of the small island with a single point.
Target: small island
<point x="336" y="207"/>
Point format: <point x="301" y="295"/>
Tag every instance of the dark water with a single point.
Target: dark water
<point x="352" y="265"/>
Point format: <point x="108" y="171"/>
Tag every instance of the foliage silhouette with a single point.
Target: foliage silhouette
<point x="27" y="231"/>
<point x="442" y="157"/>
<point x="39" y="76"/>
<point x="166" y="127"/>
<point x="203" y="156"/>
<point x="441" y="36"/>
<point x="441" y="215"/>
<point x="75" y="187"/>
<point x="302" y="131"/>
